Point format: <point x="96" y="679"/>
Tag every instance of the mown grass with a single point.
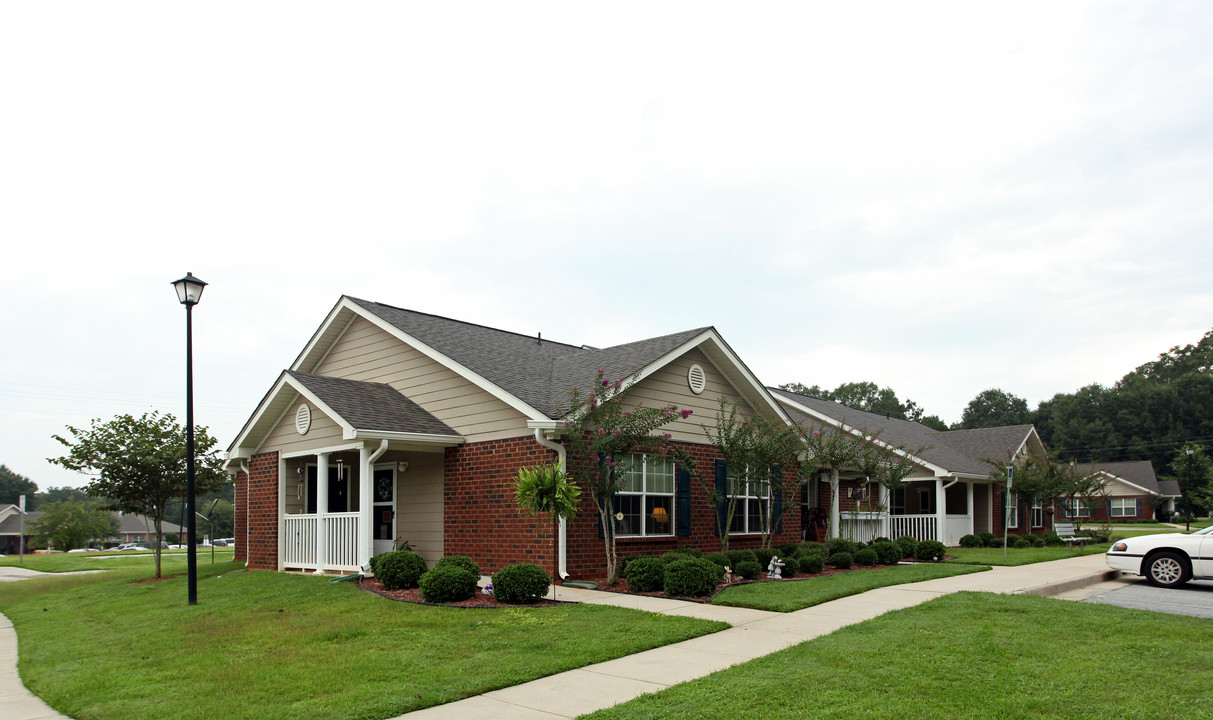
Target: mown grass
<point x="792" y="595"/>
<point x="172" y="560"/>
<point x="1021" y="556"/>
<point x="966" y="655"/>
<point x="267" y="645"/>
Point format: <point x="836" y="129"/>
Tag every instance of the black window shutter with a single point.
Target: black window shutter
<point x="682" y="504"/>
<point x="1138" y="507"/>
<point x="722" y="488"/>
<point x="1109" y="510"/>
<point x="777" y="511"/>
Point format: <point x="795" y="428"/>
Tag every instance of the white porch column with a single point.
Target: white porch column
<point x="365" y="533"/>
<point x="835" y="516"/>
<point x="882" y="496"/>
<point x="940" y="505"/>
<point x="990" y="508"/>
<point x="969" y="505"/>
<point x="322" y="509"/>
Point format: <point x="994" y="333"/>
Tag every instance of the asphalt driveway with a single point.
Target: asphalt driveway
<point x="1194" y="599"/>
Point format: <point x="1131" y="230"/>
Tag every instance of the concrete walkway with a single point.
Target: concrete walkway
<point x="754" y="633"/>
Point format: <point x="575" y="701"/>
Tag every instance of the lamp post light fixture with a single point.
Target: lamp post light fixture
<point x="189" y="292"/>
<point x="1187" y="501"/>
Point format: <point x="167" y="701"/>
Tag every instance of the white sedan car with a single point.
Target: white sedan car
<point x="1167" y="560"/>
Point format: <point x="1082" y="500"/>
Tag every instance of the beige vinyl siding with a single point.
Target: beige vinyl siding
<point x="419" y="505"/>
<point x="1116" y="488"/>
<point x="669" y="385"/>
<point x="324" y="432"/>
<point x="367" y="352"/>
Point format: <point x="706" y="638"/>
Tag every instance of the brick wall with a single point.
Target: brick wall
<point x="240" y="517"/>
<point x="262" y="488"/>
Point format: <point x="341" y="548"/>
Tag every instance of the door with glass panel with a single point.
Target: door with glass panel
<point x="383" y="508"/>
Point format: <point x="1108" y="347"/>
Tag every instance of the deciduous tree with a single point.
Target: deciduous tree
<point x="72" y="524"/>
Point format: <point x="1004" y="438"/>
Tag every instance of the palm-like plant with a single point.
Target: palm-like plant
<point x="547" y="490"/>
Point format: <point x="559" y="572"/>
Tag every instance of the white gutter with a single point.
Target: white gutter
<point x="248" y="491"/>
<point x="562" y="553"/>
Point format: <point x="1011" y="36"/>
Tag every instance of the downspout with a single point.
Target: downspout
<point x="366" y="542"/>
<point x="562" y="553"/>
<point x="248" y="487"/>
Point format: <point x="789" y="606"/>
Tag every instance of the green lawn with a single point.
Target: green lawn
<point x="172" y="560"/>
<point x="1021" y="556"/>
<point x="270" y="645"/>
<point x="792" y="595"/>
<point x="967" y="655"/>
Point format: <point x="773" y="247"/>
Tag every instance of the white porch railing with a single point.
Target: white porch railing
<point x="919" y="527"/>
<point x="861" y="526"/>
<point x="955" y="527"/>
<point x="299" y="534"/>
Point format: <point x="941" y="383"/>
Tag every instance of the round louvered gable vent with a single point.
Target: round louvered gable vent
<point x="303" y="419"/>
<point x="697" y="379"/>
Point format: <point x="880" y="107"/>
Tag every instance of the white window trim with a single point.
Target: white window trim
<point x="1013" y="507"/>
<point x="1127" y="504"/>
<point x="644" y="494"/>
<point x="1038" y="513"/>
<point x="1078" y="508"/>
<point x="741" y="505"/>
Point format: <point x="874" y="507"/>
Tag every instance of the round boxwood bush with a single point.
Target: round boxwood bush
<point x="788" y="549"/>
<point x="887" y="552"/>
<point x="811" y="563"/>
<point x="764" y="556"/>
<point x="520" y="584"/>
<point x="986" y="538"/>
<point x="995" y="541"/>
<point x="1022" y="543"/>
<point x="837" y="545"/>
<point x="462" y="561"/>
<point x="647" y="574"/>
<point x="908" y="546"/>
<point x="1037" y="540"/>
<point x="791" y="567"/>
<point x="929" y="550"/>
<point x="971" y="541"/>
<point x="374" y="563"/>
<point x="448" y="583"/>
<point x="737" y="557"/>
<point x="748" y="569"/>
<point x="720" y="559"/>
<point x="692" y="577"/>
<point x="809" y="546"/>
<point x="1011" y="539"/>
<point x="866" y="556"/>
<point x="400" y="569"/>
<point x="842" y="560"/>
<point x="1052" y="539"/>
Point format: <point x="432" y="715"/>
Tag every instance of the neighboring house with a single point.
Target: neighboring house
<point x="10" y="529"/>
<point x="134" y="528"/>
<point x="949" y="495"/>
<point x="394" y="426"/>
<point x="1131" y="492"/>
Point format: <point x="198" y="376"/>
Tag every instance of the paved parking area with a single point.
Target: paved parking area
<point x="1194" y="599"/>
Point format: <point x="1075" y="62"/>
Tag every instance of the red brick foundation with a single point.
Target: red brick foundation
<point x="260" y="548"/>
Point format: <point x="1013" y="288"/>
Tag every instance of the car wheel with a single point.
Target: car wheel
<point x="1167" y="569"/>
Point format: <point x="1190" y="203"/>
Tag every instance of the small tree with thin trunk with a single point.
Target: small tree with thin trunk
<point x="138" y="464"/>
<point x="546" y="490"/>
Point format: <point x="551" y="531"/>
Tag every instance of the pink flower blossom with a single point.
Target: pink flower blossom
<point x="685" y="413"/>
<point x="601" y="431"/>
<point x="605" y="382"/>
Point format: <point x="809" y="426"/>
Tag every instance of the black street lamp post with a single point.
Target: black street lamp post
<point x="1188" y="490"/>
<point x="189" y="292"/>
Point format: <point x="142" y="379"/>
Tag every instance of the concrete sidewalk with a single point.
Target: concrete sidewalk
<point x="754" y="633"/>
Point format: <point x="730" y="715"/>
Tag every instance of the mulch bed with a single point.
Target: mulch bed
<point x="413" y="595"/>
<point x="621" y="585"/>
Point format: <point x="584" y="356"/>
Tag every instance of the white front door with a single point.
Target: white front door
<point x="383" y="508"/>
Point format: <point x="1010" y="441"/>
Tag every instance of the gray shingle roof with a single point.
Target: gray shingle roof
<point x="132" y="523"/>
<point x="11" y="525"/>
<point x="1138" y="472"/>
<point x="372" y="406"/>
<point x="1169" y="488"/>
<point x="963" y="451"/>
<point x="541" y="374"/>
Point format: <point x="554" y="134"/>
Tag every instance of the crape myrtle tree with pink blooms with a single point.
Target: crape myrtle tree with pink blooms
<point x="602" y="432"/>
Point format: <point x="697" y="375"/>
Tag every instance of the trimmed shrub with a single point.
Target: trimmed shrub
<point x="790" y="567"/>
<point x="448" y="583"/>
<point x="1052" y="539"/>
<point x="875" y="540"/>
<point x="748" y="569"/>
<point x="1022" y="543"/>
<point x="1012" y="538"/>
<point x="788" y="549"/>
<point x="908" y="546"/>
<point x="692" y="577"/>
<point x="1036" y="540"/>
<point x="837" y="545"/>
<point x="462" y="561"/>
<point x="520" y="584"/>
<point x="994" y="542"/>
<point x="808" y="546"/>
<point x="986" y="537"/>
<point x="842" y="560"/>
<point x="811" y="563"/>
<point x="972" y="541"/>
<point x="400" y="569"/>
<point x="374" y="563"/>
<point x="887" y="552"/>
<point x="720" y="559"/>
<point x="737" y="557"/>
<point x="647" y="574"/>
<point x="679" y="553"/>
<point x="866" y="556"/>
<point x="764" y="556"/>
<point x="929" y="550"/>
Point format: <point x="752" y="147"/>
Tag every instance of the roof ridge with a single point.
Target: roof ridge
<point x="462" y="322"/>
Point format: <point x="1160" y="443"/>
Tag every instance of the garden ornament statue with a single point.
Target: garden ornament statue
<point x="775" y="568"/>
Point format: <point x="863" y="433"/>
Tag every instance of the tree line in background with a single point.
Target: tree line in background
<point x="1153" y="413"/>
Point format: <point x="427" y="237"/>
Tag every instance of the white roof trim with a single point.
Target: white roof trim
<point x="939" y="470"/>
<point x="1121" y="479"/>
<point x="444" y="440"/>
<point x="347" y="304"/>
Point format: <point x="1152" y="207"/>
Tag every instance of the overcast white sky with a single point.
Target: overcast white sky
<point x="936" y="197"/>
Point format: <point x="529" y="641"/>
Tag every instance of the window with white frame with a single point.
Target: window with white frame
<point x="1124" y="507"/>
<point x="751" y="503"/>
<point x="1077" y="508"/>
<point x="646" y="498"/>
<point x="1038" y="513"/>
<point x="1012" y="510"/>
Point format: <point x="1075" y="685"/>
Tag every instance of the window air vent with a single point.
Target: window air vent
<point x="697" y="379"/>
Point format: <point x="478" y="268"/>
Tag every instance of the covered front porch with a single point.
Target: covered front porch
<point x="913" y="509"/>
